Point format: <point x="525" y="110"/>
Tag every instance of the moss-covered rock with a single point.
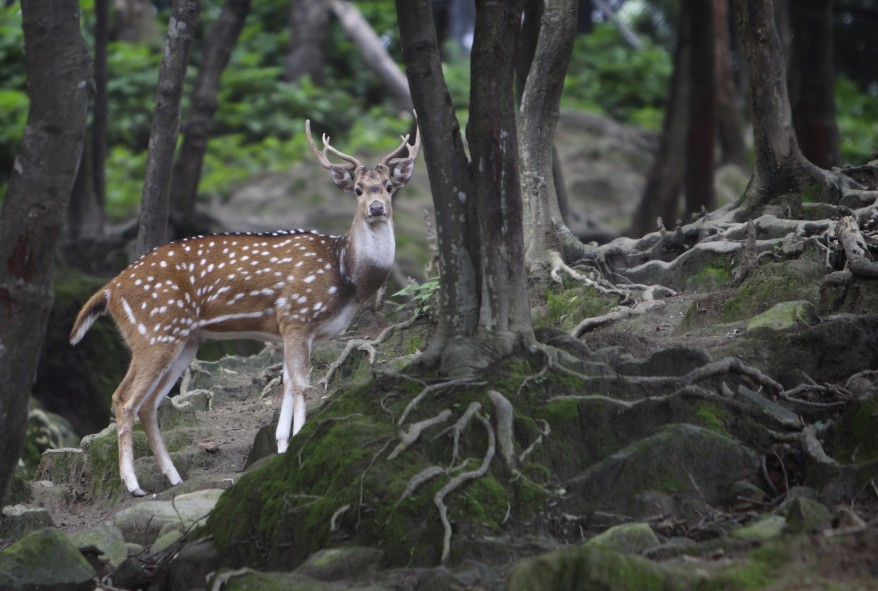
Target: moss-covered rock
<point x="595" y="567"/>
<point x="677" y="465"/>
<point x="45" y="559"/>
<point x="629" y="538"/>
<point x="784" y="316"/>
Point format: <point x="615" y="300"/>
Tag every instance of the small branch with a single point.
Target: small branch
<point x="618" y="313"/>
<point x="420" y="478"/>
<point x="545" y="433"/>
<point x="457" y="481"/>
<point x="333" y="521"/>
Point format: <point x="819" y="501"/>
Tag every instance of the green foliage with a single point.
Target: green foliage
<point x="421" y="295"/>
<point x="609" y="76"/>
<point x="857" y="117"/>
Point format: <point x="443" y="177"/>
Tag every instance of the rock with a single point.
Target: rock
<point x="349" y="562"/>
<point x="45" y="559"/>
<point x="629" y="538"/>
<point x="62" y="465"/>
<point x="746" y="495"/>
<point x="845" y="517"/>
<point x="130" y="575"/>
<point x="250" y="580"/>
<point x="182" y="410"/>
<point x="762" y="529"/>
<point x="165" y="539"/>
<point x="785" y="315"/>
<point x="191" y="566"/>
<point x="107" y="538"/>
<point x="142" y="523"/>
<point x="678" y="463"/>
<point x="805" y="515"/>
<point x="595" y="567"/>
<point x="673" y="361"/>
<point x="19" y="520"/>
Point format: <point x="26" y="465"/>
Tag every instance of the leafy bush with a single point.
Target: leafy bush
<point x="608" y="76"/>
<point x="857" y="117"/>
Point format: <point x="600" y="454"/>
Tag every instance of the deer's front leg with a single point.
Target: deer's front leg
<point x="297" y="370"/>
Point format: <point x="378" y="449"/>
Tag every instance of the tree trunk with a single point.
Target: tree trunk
<point x="812" y="82"/>
<point x="780" y="166"/>
<point x="504" y="316"/>
<point x="59" y="74"/>
<point x="730" y="124"/>
<point x="665" y="178"/>
<point x="154" y="207"/>
<point x="450" y="181"/>
<point x="545" y="230"/>
<point x="484" y="311"/>
<point x="700" y="194"/>
<point x="218" y="48"/>
<point x="309" y="26"/>
<point x="372" y="51"/>
<point x="84" y="217"/>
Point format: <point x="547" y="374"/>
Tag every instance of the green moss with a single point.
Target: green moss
<point x="760" y="569"/>
<point x="711" y="277"/>
<point x="853" y="437"/>
<point x="484" y="503"/>
<point x="712" y="416"/>
<point x="564" y="309"/>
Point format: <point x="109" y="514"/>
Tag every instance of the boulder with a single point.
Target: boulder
<point x="677" y="465"/>
<point x="107" y="538"/>
<point x="142" y="523"/>
<point x="629" y="538"/>
<point x="17" y="521"/>
<point x="45" y="559"/>
<point x="333" y="564"/>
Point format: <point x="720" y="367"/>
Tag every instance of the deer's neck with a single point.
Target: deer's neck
<point x="366" y="255"/>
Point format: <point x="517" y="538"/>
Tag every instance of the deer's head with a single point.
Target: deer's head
<point x="373" y="188"/>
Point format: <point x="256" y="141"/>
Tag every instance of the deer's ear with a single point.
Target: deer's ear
<point x="402" y="172"/>
<point x="342" y="177"/>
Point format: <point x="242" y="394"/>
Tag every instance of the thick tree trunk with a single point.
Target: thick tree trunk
<point x="59" y="74"/>
<point x="730" y="124"/>
<point x="309" y="26"/>
<point x="780" y="166"/>
<point x="155" y="199"/>
<point x="218" y="48"/>
<point x="812" y="82"/>
<point x="450" y="181"/>
<point x="665" y="178"/>
<point x="700" y="194"/>
<point x="504" y="316"/>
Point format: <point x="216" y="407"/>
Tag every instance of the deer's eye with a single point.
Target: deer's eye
<point x="358" y="191"/>
<point x="389" y="188"/>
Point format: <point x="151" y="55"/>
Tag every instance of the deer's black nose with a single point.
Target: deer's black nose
<point x="377" y="209"/>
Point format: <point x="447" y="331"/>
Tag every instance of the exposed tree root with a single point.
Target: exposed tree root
<point x="618" y="313"/>
<point x="860" y="262"/>
<point x="457" y="481"/>
<point x="505" y="414"/>
<point x="465" y="381"/>
<point x="460" y="425"/>
<point x="367" y="345"/>
<point x="414" y="433"/>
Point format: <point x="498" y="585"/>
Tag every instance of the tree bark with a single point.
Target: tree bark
<point x="59" y="73"/>
<point x="309" y="26"/>
<point x="154" y="208"/>
<point x="450" y="181"/>
<point x="730" y="125"/>
<point x="484" y="312"/>
<point x="545" y="229"/>
<point x="504" y="316"/>
<point x="780" y="166"/>
<point x="700" y="194"/>
<point x="218" y="48"/>
<point x="372" y="51"/>
<point x="665" y="178"/>
<point x="812" y="82"/>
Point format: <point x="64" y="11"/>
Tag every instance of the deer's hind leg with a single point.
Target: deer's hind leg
<point x="146" y="372"/>
<point x="149" y="409"/>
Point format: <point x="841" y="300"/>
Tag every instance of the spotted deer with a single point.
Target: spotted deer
<point x="295" y="287"/>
